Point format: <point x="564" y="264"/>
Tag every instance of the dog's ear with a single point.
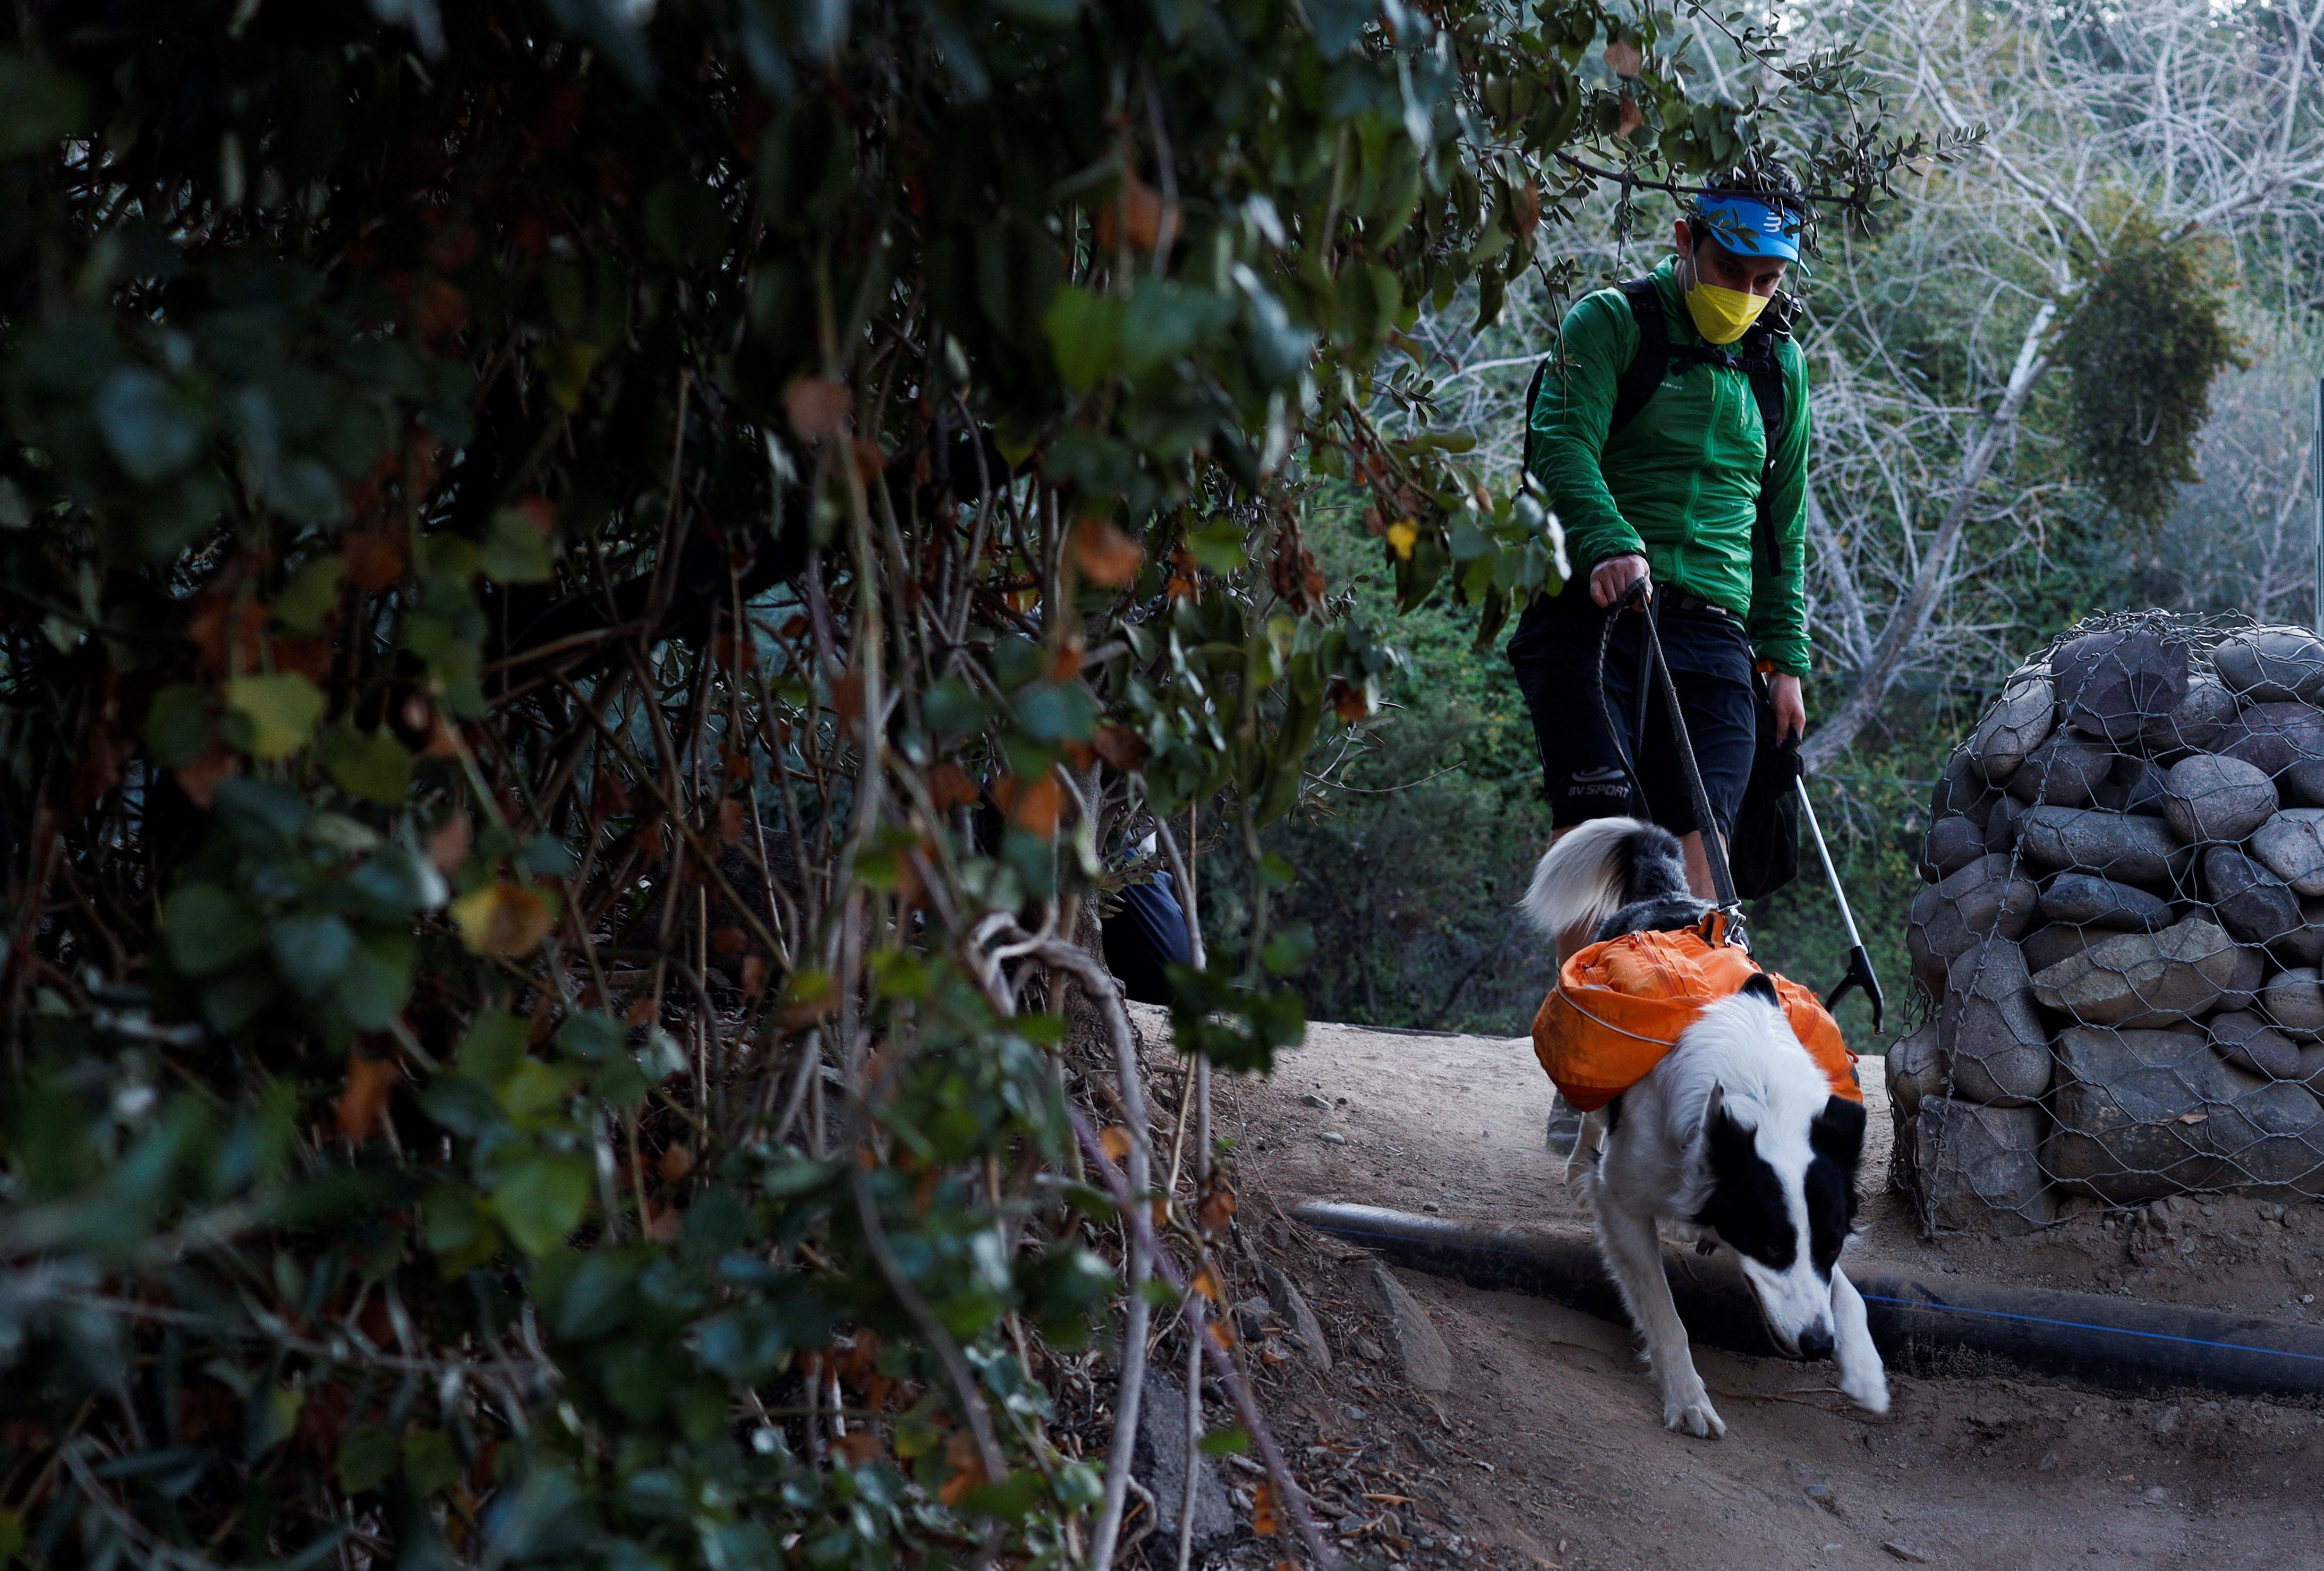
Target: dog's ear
<point x="1838" y="1133"/>
<point x="1759" y="984"/>
<point x="1716" y="1105"/>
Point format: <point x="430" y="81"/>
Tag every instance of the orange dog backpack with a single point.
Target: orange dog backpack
<point x="1620" y="1005"/>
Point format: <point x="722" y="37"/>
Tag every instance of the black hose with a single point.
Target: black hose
<point x="2121" y="1344"/>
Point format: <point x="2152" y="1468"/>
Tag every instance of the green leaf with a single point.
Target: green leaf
<point x="177" y="724"/>
<point x="209" y="929"/>
<point x="312" y="595"/>
<point x="1231" y="1442"/>
<point x="310" y="952"/>
<point x="372" y="765"/>
<point x="366" y="1458"/>
<point x="1085" y="333"/>
<point x="1218" y="546"/>
<point x="38" y="105"/>
<point x="377" y="980"/>
<point x="147" y="425"/>
<point x="278" y="712"/>
<point x="541" y="1200"/>
<point x="515" y="551"/>
<point x="493" y="1046"/>
<point x="429" y="1463"/>
<point x="534" y="1091"/>
<point x="1289" y="951"/>
<point x="592" y="1037"/>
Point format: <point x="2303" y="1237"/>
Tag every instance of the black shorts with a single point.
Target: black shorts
<point x="1554" y="653"/>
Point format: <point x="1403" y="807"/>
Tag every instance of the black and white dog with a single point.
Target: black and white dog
<point x="1735" y="1138"/>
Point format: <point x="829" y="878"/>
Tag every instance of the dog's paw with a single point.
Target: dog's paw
<point x="1693" y="1416"/>
<point x="1867" y="1388"/>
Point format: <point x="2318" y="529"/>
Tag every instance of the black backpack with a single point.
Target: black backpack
<point x="1765" y="852"/>
<point x="1755" y="354"/>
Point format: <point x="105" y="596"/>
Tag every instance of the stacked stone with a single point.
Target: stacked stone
<point x="2122" y="928"/>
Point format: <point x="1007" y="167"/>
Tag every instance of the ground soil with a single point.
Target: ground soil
<point x="1549" y="1450"/>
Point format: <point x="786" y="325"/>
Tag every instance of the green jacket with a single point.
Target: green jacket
<point x="1680" y="484"/>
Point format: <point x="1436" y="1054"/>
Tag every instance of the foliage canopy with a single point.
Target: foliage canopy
<point x="592" y="593"/>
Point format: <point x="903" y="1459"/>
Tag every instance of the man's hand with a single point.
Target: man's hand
<point x="1612" y="579"/>
<point x="1791" y="712"/>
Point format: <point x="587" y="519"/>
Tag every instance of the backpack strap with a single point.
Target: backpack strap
<point x="1640" y="379"/>
<point x="1644" y="374"/>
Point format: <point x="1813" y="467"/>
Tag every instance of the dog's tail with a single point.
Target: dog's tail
<point x="1596" y="869"/>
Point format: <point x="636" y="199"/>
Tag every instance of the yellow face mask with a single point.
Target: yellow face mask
<point x="1723" y="315"/>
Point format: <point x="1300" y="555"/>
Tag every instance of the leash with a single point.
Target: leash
<point x="1651" y="662"/>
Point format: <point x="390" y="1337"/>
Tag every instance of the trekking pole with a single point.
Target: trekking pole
<point x="1859" y="964"/>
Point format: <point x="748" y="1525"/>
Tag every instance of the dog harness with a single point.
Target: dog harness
<point x="1620" y="1005"/>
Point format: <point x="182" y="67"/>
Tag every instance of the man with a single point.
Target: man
<point x="1684" y="499"/>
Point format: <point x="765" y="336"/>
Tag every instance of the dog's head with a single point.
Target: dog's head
<point x="1778" y="1177"/>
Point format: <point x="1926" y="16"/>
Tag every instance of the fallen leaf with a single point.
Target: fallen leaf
<point x="364" y="1096"/>
<point x="373" y="559"/>
<point x="1205" y="1284"/>
<point x="1114" y="1139"/>
<point x="502" y="919"/>
<point x="733" y="814"/>
<point x="1263" y="1519"/>
<point x="817" y="409"/>
<point x="1106" y="555"/>
<point x="675" y="1164"/>
<point x="754" y="977"/>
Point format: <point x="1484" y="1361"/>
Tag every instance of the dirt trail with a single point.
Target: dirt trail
<point x="1548" y="1448"/>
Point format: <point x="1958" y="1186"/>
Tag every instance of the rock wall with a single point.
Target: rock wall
<point x="2121" y="930"/>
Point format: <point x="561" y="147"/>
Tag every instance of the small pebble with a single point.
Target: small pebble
<point x="1334" y="1137"/>
<point x="1913" y="1556"/>
<point x="1316" y="1099"/>
<point x="1430" y="1206"/>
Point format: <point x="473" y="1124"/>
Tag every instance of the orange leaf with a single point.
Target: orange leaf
<point x="733" y="814"/>
<point x="754" y="977"/>
<point x="1138" y="212"/>
<point x="847" y="697"/>
<point x="949" y="787"/>
<point x="1205" y="1284"/>
<point x="364" y="1098"/>
<point x="1630" y="116"/>
<point x="1263" y="1519"/>
<point x="729" y="941"/>
<point x="502" y="919"/>
<point x="968" y="1470"/>
<point x="1218" y="1207"/>
<point x="1106" y="555"/>
<point x="1033" y="807"/>
<point x="675" y="1164"/>
<point x="200" y="779"/>
<point x="1121" y="746"/>
<point x="817" y="409"/>
<point x="1115" y="1140"/>
<point x="447" y="844"/>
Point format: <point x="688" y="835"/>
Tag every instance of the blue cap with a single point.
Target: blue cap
<point x="1751" y="227"/>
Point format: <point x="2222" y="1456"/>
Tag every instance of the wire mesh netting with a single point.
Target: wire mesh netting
<point x="2122" y="930"/>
